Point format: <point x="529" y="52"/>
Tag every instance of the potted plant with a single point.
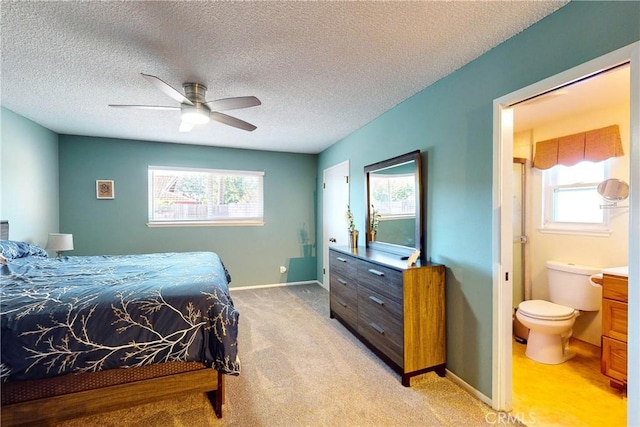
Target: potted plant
<point x="353" y="233"/>
<point x="374" y="222"/>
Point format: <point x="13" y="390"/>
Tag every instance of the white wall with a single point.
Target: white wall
<point x="598" y="251"/>
<point x="28" y="179"/>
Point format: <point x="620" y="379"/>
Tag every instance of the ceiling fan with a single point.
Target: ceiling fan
<point x="194" y="108"/>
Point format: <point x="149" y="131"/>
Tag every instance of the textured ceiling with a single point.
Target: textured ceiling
<point x="321" y="69"/>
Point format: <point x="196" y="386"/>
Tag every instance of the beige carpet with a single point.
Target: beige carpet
<point x="300" y="368"/>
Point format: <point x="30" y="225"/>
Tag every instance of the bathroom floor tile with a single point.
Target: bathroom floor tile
<point x="573" y="393"/>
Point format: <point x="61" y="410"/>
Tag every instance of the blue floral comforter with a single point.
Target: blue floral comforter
<point x="84" y="314"/>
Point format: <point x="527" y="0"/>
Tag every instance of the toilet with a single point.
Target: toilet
<point x="550" y="323"/>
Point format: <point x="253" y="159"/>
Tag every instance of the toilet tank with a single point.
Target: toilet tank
<point x="570" y="285"/>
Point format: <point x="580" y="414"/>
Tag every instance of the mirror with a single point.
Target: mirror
<point x="613" y="190"/>
<point x="394" y="202"/>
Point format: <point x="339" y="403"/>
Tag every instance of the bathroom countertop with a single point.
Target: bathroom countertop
<point x="617" y="271"/>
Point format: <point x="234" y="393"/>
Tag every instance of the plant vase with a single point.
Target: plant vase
<point x="372" y="235"/>
<point x="353" y="239"/>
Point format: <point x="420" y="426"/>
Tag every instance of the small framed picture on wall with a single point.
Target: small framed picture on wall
<point x="105" y="189"/>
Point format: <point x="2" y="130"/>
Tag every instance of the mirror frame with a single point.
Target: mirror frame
<point x="621" y="186"/>
<point x="404" y="251"/>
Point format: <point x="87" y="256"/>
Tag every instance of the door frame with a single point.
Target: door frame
<point x="502" y="251"/>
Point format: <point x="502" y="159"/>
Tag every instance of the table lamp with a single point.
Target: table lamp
<point x="59" y="242"/>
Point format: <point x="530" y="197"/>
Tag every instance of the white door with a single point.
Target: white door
<point x="335" y="198"/>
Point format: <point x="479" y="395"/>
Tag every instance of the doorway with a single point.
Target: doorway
<point x="503" y="225"/>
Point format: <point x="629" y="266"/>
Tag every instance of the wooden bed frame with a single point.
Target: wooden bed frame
<point x="45" y="402"/>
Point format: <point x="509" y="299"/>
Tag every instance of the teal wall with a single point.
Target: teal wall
<point x="253" y="254"/>
<point x="28" y="178"/>
<point x="398" y="231"/>
<point x="451" y="122"/>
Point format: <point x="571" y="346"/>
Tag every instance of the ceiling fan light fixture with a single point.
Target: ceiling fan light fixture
<point x="194" y="107"/>
<point x="196" y="114"/>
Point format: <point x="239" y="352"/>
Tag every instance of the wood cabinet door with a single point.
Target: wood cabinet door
<point x="615" y="287"/>
<point x="614" y="319"/>
<point x="614" y="359"/>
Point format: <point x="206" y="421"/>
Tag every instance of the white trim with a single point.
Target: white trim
<point x="501" y="381"/>
<point x="633" y="362"/>
<point x="468" y="388"/>
<point x="557" y="229"/>
<point x="230" y="223"/>
<point x="275" y="285"/>
<point x="502" y="295"/>
<point x="205" y="170"/>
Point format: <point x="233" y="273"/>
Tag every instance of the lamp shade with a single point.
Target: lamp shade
<point x="60" y="242"/>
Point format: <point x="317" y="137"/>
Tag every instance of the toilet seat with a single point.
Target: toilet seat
<point x="545" y="310"/>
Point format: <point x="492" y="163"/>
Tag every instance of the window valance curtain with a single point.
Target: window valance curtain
<point x="594" y="145"/>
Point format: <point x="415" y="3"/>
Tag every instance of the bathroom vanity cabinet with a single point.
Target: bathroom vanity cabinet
<point x="614" y="329"/>
<point x="396" y="310"/>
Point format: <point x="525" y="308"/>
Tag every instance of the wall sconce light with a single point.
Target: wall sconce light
<point x="60" y="242"/>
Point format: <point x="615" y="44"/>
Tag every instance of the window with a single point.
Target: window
<point x="393" y="195"/>
<point x="181" y="196"/>
<point x="571" y="200"/>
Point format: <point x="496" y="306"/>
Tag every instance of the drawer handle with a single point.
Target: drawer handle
<point x="376" y="272"/>
<point x="377" y="328"/>
<point x="341" y="259"/>
<point x="342" y="304"/>
<point x="342" y="282"/>
<point x="376" y="300"/>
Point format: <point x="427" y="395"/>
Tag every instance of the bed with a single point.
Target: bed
<point x="82" y="335"/>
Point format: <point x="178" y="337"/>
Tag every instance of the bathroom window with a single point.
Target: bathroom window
<point x="571" y="201"/>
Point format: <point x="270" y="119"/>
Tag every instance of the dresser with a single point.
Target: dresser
<point x="395" y="310"/>
<point x="614" y="327"/>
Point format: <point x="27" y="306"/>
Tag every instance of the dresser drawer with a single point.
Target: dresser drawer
<point x="345" y="308"/>
<point x="614" y="319"/>
<point x="343" y="265"/>
<point x="380" y="322"/>
<point x="378" y="306"/>
<point x="615" y="287"/>
<point x="614" y="359"/>
<point x="383" y="280"/>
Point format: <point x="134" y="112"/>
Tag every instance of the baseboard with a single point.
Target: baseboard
<point x="275" y="285"/>
<point x="468" y="388"/>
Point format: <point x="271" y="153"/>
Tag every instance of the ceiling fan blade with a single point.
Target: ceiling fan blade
<point x="232" y="121"/>
<point x="173" y="93"/>
<point x="146" y="107"/>
<point x="185" y="127"/>
<point x="233" y="103"/>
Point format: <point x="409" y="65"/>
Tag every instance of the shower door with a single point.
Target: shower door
<point x="519" y="237"/>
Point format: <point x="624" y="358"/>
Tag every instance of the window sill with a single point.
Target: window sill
<point x="576" y="232"/>
<point x="233" y="223"/>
